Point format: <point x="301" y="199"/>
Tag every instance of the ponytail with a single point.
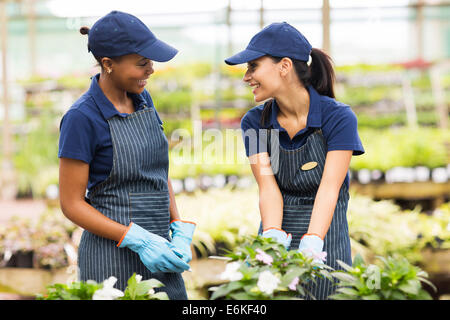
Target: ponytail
<point x="322" y="73"/>
<point x="265" y="115"/>
<point x="319" y="74"/>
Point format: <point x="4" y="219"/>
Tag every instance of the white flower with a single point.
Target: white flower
<point x="231" y="272"/>
<point x="138" y="278"/>
<point x="267" y="282"/>
<point x="108" y="292"/>
<point x="151" y="291"/>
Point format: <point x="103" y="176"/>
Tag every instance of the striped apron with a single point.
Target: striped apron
<point x="135" y="191"/>
<point x="298" y="188"/>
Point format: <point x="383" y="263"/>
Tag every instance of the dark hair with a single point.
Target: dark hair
<point x="85" y="31"/>
<point x="320" y="75"/>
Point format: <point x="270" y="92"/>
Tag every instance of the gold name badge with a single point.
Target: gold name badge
<point x="309" y="165"/>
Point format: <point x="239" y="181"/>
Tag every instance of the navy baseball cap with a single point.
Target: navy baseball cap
<point x="278" y="39"/>
<point x="119" y="33"/>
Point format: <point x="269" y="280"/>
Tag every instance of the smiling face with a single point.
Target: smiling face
<point x="130" y="72"/>
<point x="263" y="75"/>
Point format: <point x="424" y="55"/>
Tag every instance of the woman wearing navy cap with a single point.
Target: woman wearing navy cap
<point x="112" y="144"/>
<point x="299" y="145"/>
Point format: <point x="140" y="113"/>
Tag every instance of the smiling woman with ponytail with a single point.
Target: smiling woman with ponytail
<point x="299" y="143"/>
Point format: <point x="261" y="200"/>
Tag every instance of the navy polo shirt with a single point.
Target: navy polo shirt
<point x="84" y="130"/>
<point x="337" y="120"/>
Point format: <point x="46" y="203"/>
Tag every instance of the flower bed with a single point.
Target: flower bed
<point x="42" y="243"/>
<point x="381" y="228"/>
<point x="263" y="269"/>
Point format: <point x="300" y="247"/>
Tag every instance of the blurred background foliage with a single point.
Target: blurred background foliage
<point x="388" y="140"/>
<point x="202" y="100"/>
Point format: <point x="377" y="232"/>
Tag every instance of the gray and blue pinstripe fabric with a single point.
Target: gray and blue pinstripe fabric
<point x="136" y="190"/>
<point x="299" y="190"/>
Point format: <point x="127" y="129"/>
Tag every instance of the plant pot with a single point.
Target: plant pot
<point x="220" y="248"/>
<point x="21" y="259"/>
<point x="436" y="262"/>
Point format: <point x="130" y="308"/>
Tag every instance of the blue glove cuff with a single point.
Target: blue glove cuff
<point x="182" y="228"/>
<point x="132" y="238"/>
<point x="279" y="235"/>
<point x="311" y="242"/>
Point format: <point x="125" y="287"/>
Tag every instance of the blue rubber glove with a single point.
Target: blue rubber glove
<point x="279" y="235"/>
<point x="182" y="232"/>
<point x="311" y="245"/>
<point x="156" y="253"/>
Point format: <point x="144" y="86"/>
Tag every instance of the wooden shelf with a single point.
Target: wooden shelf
<point x="406" y="191"/>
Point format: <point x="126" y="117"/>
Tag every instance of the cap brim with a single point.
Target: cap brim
<point x="158" y="51"/>
<point x="244" y="56"/>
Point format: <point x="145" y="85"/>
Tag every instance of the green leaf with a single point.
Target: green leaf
<point x="160" y="296"/>
<point x="358" y="260"/>
<point x="348" y="291"/>
<point x="130" y="291"/>
<point x="396" y="295"/>
<point x="340" y="296"/>
<point x="386" y="294"/>
<point x="225" y="289"/>
<point x="142" y="288"/>
<point x="285" y="297"/>
<point x="411" y="287"/>
<point x="424" y="295"/>
<point x="371" y="297"/>
<point x="344" y="265"/>
<point x="241" y="296"/>
<point x="290" y="275"/>
<point x="154" y="283"/>
<point x="132" y="281"/>
<point x="345" y="277"/>
<point x="428" y="282"/>
<point x="326" y="274"/>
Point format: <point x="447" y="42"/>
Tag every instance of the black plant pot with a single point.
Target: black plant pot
<point x="21" y="259"/>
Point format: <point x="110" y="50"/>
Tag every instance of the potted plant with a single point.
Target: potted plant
<point x="264" y="270"/>
<point x="393" y="279"/>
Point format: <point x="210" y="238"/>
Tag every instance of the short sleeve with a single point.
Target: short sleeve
<point x="344" y="133"/>
<point x="77" y="137"/>
<point x="149" y="101"/>
<point x="254" y="138"/>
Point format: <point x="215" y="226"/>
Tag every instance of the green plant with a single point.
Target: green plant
<point x="263" y="269"/>
<point x="395" y="279"/>
<point x="404" y="147"/>
<point x="382" y="228"/>
<point x="137" y="289"/>
<point x="36" y="158"/>
<point x="75" y="291"/>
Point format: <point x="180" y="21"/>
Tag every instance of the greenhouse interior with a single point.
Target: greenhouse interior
<point x="392" y="67"/>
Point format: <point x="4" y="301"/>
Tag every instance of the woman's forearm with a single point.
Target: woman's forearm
<point x="87" y="217"/>
<point x="323" y="210"/>
<point x="174" y="215"/>
<point x="336" y="168"/>
<point x="271" y="208"/>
